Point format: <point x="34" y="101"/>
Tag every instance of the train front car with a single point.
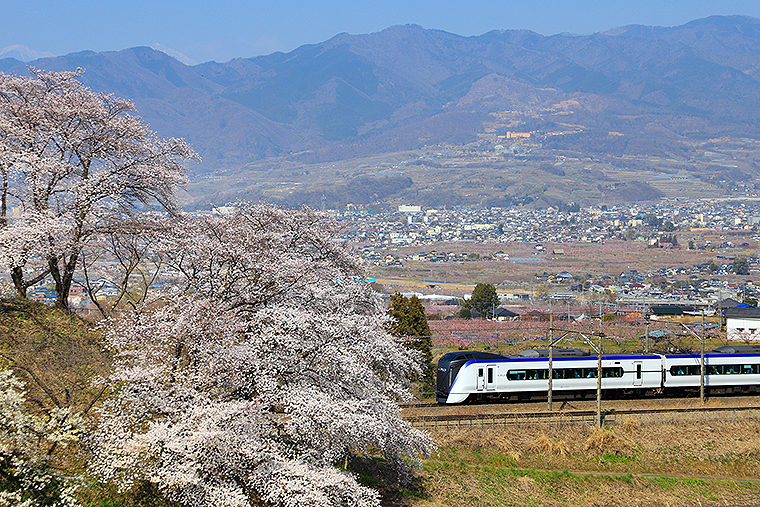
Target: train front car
<point x="449" y="367"/>
<point x="481" y="376"/>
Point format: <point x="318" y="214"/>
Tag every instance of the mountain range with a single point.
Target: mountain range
<point x="629" y="91"/>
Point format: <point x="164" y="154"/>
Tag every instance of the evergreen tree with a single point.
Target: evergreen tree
<point x="409" y="320"/>
<point x="483" y="298"/>
<point x="741" y="266"/>
<point x="409" y="316"/>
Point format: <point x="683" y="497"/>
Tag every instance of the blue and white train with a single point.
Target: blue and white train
<point x="472" y="376"/>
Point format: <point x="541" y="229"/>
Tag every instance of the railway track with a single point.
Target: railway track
<point x="448" y="421"/>
<point x="419" y="405"/>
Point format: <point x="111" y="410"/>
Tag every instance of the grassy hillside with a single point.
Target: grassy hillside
<point x="59" y="356"/>
<point x="56" y="353"/>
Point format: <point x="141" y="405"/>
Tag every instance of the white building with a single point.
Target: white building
<point x="743" y="324"/>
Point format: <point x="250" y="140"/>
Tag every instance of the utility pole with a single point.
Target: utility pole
<point x="701" y="338"/>
<point x="599" y="377"/>
<point x="588" y="340"/>
<point x="646" y="335"/>
<point x="551" y="360"/>
<point x="702" y="361"/>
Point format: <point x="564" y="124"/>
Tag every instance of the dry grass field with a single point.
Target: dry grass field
<point x="699" y="461"/>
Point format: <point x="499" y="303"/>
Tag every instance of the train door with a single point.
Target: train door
<point x="491" y="378"/>
<point x="481" y="379"/>
<point x="638" y="379"/>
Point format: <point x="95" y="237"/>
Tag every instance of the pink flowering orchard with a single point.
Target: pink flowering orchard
<point x="265" y="369"/>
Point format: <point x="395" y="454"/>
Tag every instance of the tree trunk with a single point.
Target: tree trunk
<point x="62" y="282"/>
<point x="17" y="275"/>
<point x="62" y="295"/>
<point x="67" y="277"/>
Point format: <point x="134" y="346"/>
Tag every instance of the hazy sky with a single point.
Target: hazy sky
<point x="205" y="30"/>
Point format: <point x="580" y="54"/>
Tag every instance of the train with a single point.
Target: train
<point x="466" y="376"/>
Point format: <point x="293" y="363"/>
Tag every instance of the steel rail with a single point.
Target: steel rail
<point x="419" y="405"/>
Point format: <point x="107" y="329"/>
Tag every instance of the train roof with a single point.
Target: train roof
<point x="737" y="349"/>
<point x="558" y="352"/>
<point x="469" y="354"/>
<point x="530" y="353"/>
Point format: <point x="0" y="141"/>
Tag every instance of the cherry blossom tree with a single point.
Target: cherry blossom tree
<point x="28" y="475"/>
<point x="75" y="162"/>
<point x="261" y="374"/>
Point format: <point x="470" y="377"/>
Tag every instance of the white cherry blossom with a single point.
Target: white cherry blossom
<point x="262" y="374"/>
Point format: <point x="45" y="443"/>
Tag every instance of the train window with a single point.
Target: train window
<point x="617" y="371"/>
<point x="529" y="374"/>
<point x="480" y="372"/>
<point x="490" y="376"/>
<point x="682" y="369"/>
<point x="718" y="369"/>
<point x="741" y="369"/>
<point x="638" y="371"/>
<point x="569" y="373"/>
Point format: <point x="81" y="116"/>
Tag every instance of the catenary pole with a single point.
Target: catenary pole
<point x="702" y="361"/>
<point x="599" y="376"/>
<point x="551" y="361"/>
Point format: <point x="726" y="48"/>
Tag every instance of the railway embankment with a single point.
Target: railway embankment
<point x="666" y="452"/>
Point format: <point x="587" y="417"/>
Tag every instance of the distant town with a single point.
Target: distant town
<point x="399" y="242"/>
<point x="411" y="225"/>
<point x="721" y="231"/>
